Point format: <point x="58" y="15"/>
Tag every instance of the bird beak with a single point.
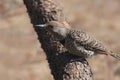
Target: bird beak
<point x="41" y="25"/>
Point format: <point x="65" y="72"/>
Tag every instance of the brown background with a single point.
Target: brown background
<point x="21" y="57"/>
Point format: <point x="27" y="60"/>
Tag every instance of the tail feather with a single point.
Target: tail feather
<point x="115" y="55"/>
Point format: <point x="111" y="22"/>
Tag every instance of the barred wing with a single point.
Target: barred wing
<point x="89" y="43"/>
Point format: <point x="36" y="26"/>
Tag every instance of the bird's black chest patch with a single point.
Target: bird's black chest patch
<point x="62" y="42"/>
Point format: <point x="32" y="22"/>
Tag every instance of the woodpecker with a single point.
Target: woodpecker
<point x="77" y="41"/>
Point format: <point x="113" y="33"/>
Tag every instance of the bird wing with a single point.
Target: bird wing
<point x="89" y="43"/>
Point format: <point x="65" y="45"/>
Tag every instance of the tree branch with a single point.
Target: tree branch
<point x="63" y="65"/>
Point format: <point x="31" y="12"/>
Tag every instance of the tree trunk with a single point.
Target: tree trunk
<point x="63" y="65"/>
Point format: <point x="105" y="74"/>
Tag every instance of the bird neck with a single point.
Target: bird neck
<point x="64" y="32"/>
<point x="61" y="31"/>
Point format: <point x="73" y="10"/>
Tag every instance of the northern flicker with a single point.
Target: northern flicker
<point x="77" y="42"/>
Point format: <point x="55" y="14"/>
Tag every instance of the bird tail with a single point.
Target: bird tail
<point x="115" y="55"/>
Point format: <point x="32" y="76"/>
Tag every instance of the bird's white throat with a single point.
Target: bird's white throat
<point x="61" y="31"/>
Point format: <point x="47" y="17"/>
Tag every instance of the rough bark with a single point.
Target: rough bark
<point x="63" y="65"/>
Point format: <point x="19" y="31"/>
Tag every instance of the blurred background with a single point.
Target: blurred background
<point x="21" y="57"/>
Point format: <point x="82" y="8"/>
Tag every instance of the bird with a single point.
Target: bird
<point x="77" y="41"/>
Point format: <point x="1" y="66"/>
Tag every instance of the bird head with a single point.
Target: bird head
<point x="58" y="28"/>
